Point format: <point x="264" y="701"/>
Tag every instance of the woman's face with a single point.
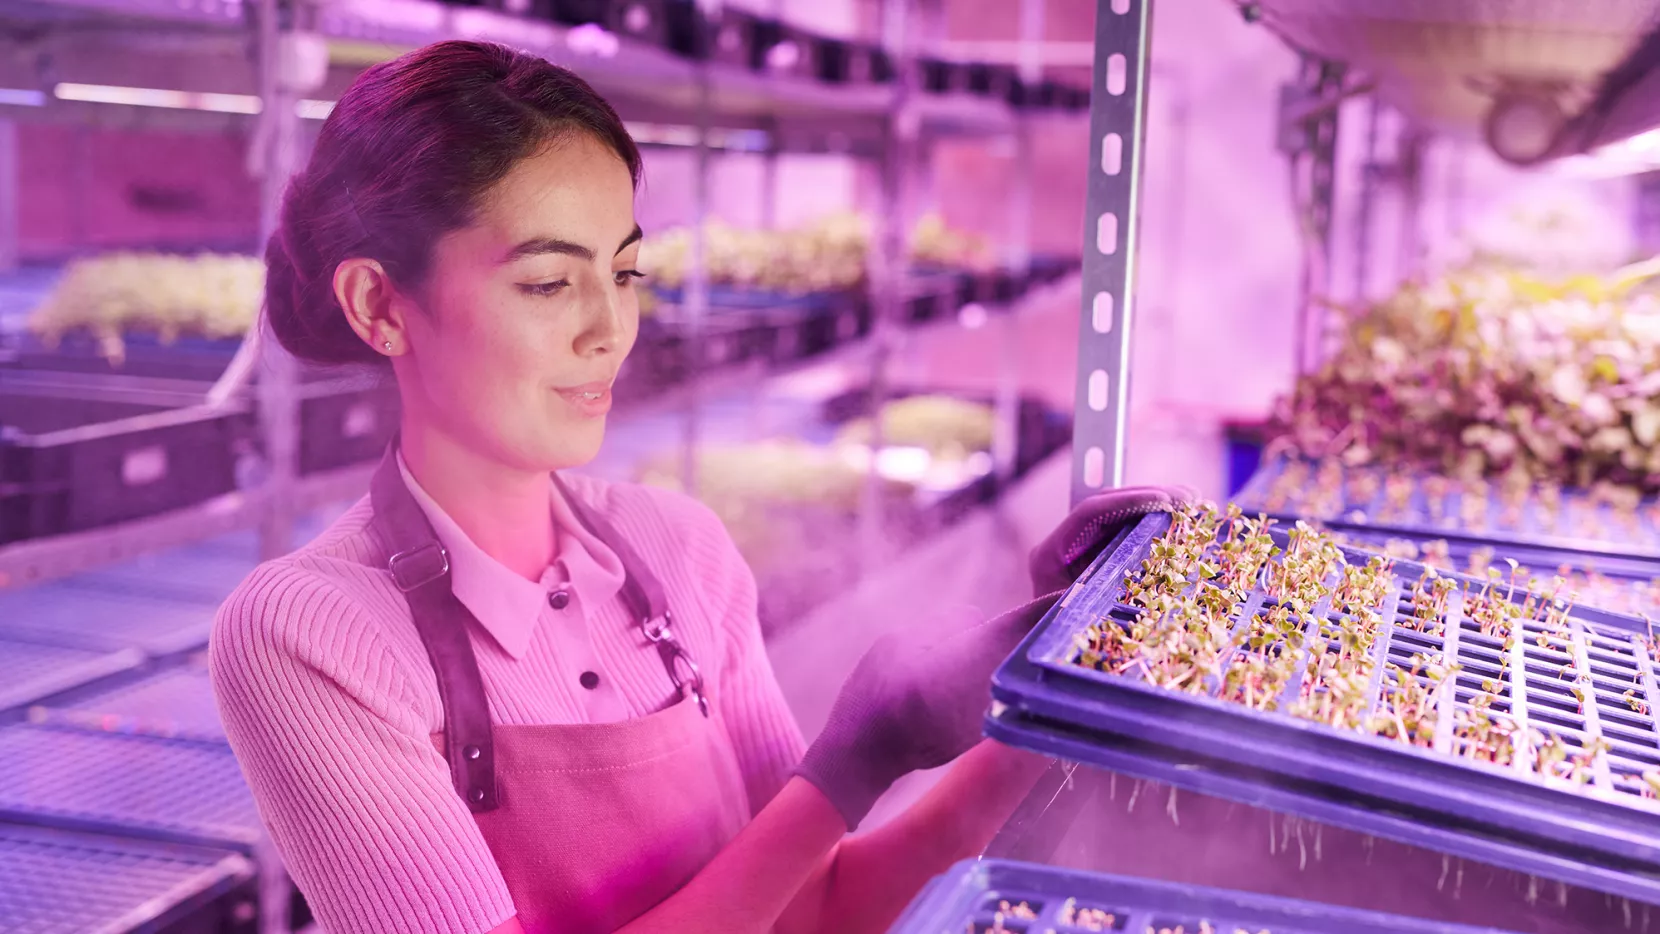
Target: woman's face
<point x="528" y="313"/>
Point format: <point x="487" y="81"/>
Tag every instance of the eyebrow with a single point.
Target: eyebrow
<point x="544" y="245"/>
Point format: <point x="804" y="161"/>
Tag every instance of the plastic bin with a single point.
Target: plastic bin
<point x="172" y="790"/>
<point x="1604" y="837"/>
<point x="79" y="452"/>
<point x="346" y="421"/>
<point x="985" y="896"/>
<point x="53" y="882"/>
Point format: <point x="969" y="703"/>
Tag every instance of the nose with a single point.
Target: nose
<point x="604" y="329"/>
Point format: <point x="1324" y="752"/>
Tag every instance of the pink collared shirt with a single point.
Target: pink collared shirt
<point x="329" y="700"/>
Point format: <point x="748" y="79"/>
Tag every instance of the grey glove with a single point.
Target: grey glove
<point x="1058" y="560"/>
<point x="911" y="704"/>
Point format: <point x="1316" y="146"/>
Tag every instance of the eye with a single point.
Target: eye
<point x="625" y="275"/>
<point x="544" y="289"/>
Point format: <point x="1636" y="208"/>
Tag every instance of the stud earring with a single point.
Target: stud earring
<point x="388" y="346"/>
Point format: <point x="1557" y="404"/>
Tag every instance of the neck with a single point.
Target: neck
<point x="503" y="510"/>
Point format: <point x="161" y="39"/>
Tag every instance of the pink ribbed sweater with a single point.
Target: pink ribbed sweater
<point x="329" y="701"/>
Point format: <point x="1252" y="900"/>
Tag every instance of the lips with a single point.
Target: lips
<point x="589" y="399"/>
<point x="587" y="390"/>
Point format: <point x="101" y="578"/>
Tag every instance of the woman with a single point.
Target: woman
<point x="484" y="701"/>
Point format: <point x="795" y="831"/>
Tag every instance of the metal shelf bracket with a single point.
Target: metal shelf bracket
<point x="1117" y="120"/>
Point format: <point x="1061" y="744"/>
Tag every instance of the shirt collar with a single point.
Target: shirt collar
<point x="509" y="606"/>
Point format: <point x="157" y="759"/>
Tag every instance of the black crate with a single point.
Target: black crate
<point x="734" y="38"/>
<point x="937" y="76"/>
<point x="346" y="421"/>
<point x="993" y="81"/>
<point x="645" y="21"/>
<point x="530" y="9"/>
<point x="79" y="452"/>
<point x="785" y="51"/>
<point x="842" y="62"/>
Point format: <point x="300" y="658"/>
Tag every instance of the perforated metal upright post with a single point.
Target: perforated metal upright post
<point x="1118" y="116"/>
<point x="10" y="181"/>
<point x="696" y="307"/>
<point x="279" y="373"/>
<point x="885" y="263"/>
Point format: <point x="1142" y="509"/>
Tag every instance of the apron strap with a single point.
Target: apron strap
<point x="644" y="595"/>
<point x="421" y="568"/>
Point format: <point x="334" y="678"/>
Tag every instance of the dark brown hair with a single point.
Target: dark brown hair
<point x="404" y="158"/>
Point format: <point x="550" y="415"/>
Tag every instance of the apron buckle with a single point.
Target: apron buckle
<point x="418" y="567"/>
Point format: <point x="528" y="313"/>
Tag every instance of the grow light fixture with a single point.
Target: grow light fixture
<point x="178" y="100"/>
<point x="666" y="134"/>
<point x="20" y="97"/>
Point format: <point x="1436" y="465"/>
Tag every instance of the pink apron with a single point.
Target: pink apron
<point x="591" y="825"/>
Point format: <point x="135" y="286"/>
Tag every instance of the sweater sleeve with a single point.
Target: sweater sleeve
<point x="763" y="729"/>
<point x="331" y="739"/>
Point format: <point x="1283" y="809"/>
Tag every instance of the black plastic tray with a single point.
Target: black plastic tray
<point x="79" y="452"/>
<point x="972" y="896"/>
<point x="53" y="882"/>
<point x="1607" y="839"/>
<point x="173" y="790"/>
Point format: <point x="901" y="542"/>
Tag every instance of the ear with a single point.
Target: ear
<point x="368" y="297"/>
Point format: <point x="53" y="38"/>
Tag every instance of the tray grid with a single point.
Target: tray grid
<point x="30" y="671"/>
<point x="1031" y="912"/>
<point x="167" y="789"/>
<point x="62" y="883"/>
<point x="1433" y="505"/>
<point x="175" y="702"/>
<point x="992" y="896"/>
<point x="1554" y="693"/>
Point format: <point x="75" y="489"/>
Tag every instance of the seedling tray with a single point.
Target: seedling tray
<point x="173" y="703"/>
<point x="172" y="790"/>
<point x="1580" y="531"/>
<point x="987" y="896"/>
<point x="52" y="882"/>
<point x="1604" y="835"/>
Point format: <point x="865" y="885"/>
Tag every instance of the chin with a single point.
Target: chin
<point x="575" y="445"/>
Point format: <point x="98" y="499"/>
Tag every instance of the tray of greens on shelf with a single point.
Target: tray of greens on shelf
<point x="1484" y="717"/>
<point x="996" y="896"/>
<point x="1539" y="523"/>
<point x="1631" y="589"/>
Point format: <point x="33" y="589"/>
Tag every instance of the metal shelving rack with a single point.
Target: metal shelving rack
<point x="885" y="122"/>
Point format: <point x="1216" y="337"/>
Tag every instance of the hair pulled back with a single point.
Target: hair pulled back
<point x="405" y="157"/>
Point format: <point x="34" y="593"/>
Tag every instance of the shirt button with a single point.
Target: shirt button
<point x="476" y="796"/>
<point x="470" y="752"/>
<point x="589" y="680"/>
<point x="559" y="599"/>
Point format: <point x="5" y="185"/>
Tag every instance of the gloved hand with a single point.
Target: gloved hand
<point x="913" y="702"/>
<point x="1058" y="560"/>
